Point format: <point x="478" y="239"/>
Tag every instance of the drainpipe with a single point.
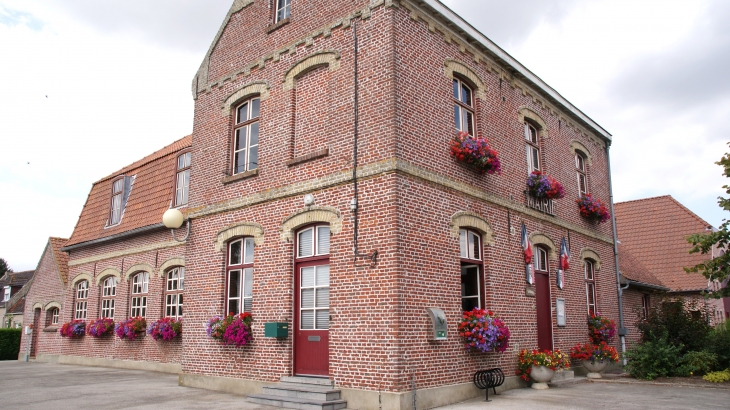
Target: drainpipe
<point x="622" y="331"/>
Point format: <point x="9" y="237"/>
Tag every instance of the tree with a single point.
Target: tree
<point x="4" y="267"/>
<point x="717" y="268"/>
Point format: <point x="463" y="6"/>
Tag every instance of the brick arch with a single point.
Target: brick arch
<point x="38" y="305"/>
<point x="81" y="276"/>
<point x="524" y="113"/>
<point x="538" y="238"/>
<point x="330" y="58"/>
<point x="576" y="145"/>
<point x="140" y="267"/>
<point x="239" y="229"/>
<point x="108" y="272"/>
<point x="260" y="88"/>
<point x="176" y="261"/>
<point x="466" y="219"/>
<point x="588" y="253"/>
<point x="50" y="305"/>
<point x="308" y="215"/>
<point x="452" y="67"/>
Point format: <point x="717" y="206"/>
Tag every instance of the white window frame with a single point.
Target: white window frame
<point x="533" y="148"/>
<point x="243" y="267"/>
<point x="590" y="278"/>
<point x="580" y="170"/>
<point x="115" y="215"/>
<point x="108" y="295"/>
<point x="541" y="262"/>
<point x="6" y="293"/>
<point x="248" y="125"/>
<point x="139" y="293"/>
<point x="54" y="316"/>
<point x="470" y="242"/>
<point x="317" y="288"/>
<point x="283" y="10"/>
<point x="175" y="284"/>
<point x="182" y="179"/>
<point x="317" y="232"/>
<point x="463" y="109"/>
<point x="81" y="303"/>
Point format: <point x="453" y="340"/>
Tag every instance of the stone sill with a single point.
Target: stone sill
<point x="238" y="177"/>
<point x="278" y="25"/>
<point x="51" y="329"/>
<point x="308" y="157"/>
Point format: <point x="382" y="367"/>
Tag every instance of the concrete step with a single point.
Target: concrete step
<point x="319" y="381"/>
<point x="296" y="402"/>
<point x="567" y="382"/>
<point x="563" y="375"/>
<point x="304" y="391"/>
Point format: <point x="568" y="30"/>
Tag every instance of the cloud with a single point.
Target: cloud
<point x="11" y="18"/>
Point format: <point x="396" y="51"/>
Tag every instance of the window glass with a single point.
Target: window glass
<point x="305" y="242"/>
<point x="541" y="260"/>
<point x="463" y="110"/>
<point x="283" y="9"/>
<point x="54" y="316"/>
<point x="82" y="293"/>
<point x="470" y="296"/>
<point x="314" y="297"/>
<point x="323" y="240"/>
<point x="235" y="255"/>
<point x="249" y="245"/>
<point x="246" y="136"/>
<point x="240" y="280"/>
<point x="138" y="303"/>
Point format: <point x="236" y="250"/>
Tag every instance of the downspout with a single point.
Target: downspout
<point x="622" y="331"/>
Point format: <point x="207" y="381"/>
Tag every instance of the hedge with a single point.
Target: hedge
<point x="9" y="344"/>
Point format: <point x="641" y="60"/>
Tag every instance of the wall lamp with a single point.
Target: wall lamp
<point x="173" y="219"/>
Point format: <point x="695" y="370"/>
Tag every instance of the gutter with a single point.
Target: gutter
<point x="647" y="285"/>
<point x="133" y="232"/>
<point x="485" y="42"/>
<point x="622" y="331"/>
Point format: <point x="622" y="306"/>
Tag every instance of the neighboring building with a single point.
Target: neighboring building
<point x="653" y="234"/>
<point x="274" y="124"/>
<point x="10" y="285"/>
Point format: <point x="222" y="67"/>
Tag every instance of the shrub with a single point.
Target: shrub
<point x="653" y="358"/>
<point x="718" y="342"/>
<point x="673" y="320"/>
<point x="696" y="362"/>
<point x="718" y="377"/>
<point x="9" y="344"/>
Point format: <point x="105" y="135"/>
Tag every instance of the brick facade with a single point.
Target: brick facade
<point x="413" y="198"/>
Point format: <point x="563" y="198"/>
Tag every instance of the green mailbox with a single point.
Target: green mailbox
<point x="279" y="330"/>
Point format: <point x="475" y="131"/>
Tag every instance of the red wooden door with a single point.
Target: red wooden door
<point x="544" y="311"/>
<point x="311" y="340"/>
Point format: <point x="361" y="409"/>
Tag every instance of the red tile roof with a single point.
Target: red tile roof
<point x="61" y="257"/>
<point x="632" y="268"/>
<point x="150" y="196"/>
<point x="654" y="231"/>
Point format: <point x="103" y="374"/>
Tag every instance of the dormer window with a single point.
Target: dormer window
<point x="121" y="189"/>
<point x="283" y="10"/>
<point x="182" y="180"/>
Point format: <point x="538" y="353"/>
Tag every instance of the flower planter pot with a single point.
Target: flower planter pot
<point x="540" y="376"/>
<point x="594" y="368"/>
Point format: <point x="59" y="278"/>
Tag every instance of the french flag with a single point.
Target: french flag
<point x="563" y="263"/>
<point x="527" y="251"/>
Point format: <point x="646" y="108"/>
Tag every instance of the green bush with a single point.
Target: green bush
<point x="676" y="321"/>
<point x="718" y="377"/>
<point x="653" y="358"/>
<point x="9" y="344"/>
<point x="718" y="342"/>
<point x="696" y="363"/>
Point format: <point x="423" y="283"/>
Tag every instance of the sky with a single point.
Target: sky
<point x="90" y="86"/>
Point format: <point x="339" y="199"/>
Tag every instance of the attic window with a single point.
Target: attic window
<point x="120" y="194"/>
<point x="182" y="179"/>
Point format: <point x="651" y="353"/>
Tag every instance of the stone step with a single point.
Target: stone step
<point x="319" y="381"/>
<point x="305" y="391"/>
<point x="563" y="375"/>
<point x="567" y="382"/>
<point x="296" y="402"/>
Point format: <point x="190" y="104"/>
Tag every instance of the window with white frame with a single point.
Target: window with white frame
<point x="590" y="278"/>
<point x="541" y="259"/>
<point x="6" y="293"/>
<point x="470" y="246"/>
<point x="463" y="107"/>
<point x="314" y="241"/>
<point x="533" y="148"/>
<point x="246" y="136"/>
<point x="108" y="293"/>
<point x="54" y="316"/>
<point x="138" y="304"/>
<point x="283" y="10"/>
<point x="174" y="292"/>
<point x="580" y="170"/>
<point x="82" y="296"/>
<point x="182" y="179"/>
<point x="239" y="270"/>
<point x="313" y="248"/>
<point x="116" y="207"/>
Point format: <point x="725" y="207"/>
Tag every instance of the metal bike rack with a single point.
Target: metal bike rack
<point x="489" y="379"/>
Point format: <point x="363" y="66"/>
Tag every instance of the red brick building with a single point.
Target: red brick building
<point x="280" y="120"/>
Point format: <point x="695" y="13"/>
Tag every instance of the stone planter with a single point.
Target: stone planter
<point x="540" y="376"/>
<point x="594" y="368"/>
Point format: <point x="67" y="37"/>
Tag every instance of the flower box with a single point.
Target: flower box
<point x="131" y="328"/>
<point x="475" y="153"/>
<point x="165" y="329"/>
<point x="73" y="329"/>
<point x="542" y="186"/>
<point x="100" y="328"/>
<point x="232" y="330"/>
<point x="483" y="331"/>
<point x="593" y="209"/>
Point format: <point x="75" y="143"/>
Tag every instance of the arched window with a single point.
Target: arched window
<point x="174" y="292"/>
<point x="463" y="107"/>
<point x="472" y="285"/>
<point x="580" y="169"/>
<point x="82" y="295"/>
<point x="590" y="278"/>
<point x="533" y="148"/>
<point x="246" y="136"/>
<point x="239" y="272"/>
<point x="108" y="292"/>
<point x="52" y="316"/>
<point x="182" y="179"/>
<point x="138" y="304"/>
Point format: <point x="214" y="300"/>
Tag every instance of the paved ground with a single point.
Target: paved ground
<point x="45" y="386"/>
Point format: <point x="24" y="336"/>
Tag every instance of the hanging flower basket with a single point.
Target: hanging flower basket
<point x="131" y="328"/>
<point x="593" y="209"/>
<point x="542" y="186"/>
<point x="165" y="329"/>
<point x="100" y="327"/>
<point x="483" y="331"/>
<point x="601" y="329"/>
<point x="231" y="330"/>
<point x="73" y="329"/>
<point x="476" y="153"/>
